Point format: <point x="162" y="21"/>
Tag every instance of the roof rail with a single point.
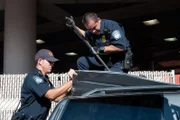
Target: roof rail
<point x="133" y="89"/>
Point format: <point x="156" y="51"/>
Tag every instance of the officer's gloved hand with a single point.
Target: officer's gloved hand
<point x="97" y="50"/>
<point x="70" y="21"/>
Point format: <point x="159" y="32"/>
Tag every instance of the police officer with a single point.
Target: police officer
<point x="37" y="91"/>
<point x="109" y="41"/>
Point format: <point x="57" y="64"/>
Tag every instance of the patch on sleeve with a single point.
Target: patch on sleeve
<point x="116" y="34"/>
<point x="37" y="79"/>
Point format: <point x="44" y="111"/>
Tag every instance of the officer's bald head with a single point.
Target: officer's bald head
<point x="89" y="16"/>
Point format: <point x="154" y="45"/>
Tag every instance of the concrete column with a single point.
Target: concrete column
<point x="19" y="36"/>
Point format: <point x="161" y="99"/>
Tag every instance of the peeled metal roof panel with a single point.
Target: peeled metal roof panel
<point x="89" y="80"/>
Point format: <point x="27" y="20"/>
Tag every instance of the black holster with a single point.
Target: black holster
<point x="127" y="62"/>
<point x="17" y="117"/>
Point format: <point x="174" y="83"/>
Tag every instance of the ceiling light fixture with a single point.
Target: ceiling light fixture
<point x="151" y="22"/>
<point x="171" y="39"/>
<point x="71" y="54"/>
<point x="39" y="41"/>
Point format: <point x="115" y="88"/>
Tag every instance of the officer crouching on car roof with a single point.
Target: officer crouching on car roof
<point x="108" y="40"/>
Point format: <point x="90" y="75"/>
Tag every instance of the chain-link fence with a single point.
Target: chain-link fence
<point x="10" y="87"/>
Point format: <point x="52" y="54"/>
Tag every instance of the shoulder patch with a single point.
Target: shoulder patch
<point x="116" y="34"/>
<point x="37" y="79"/>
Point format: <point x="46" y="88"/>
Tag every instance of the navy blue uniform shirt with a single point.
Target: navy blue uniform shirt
<point x="34" y="87"/>
<point x="111" y="33"/>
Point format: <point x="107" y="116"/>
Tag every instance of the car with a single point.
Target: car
<point x="100" y="95"/>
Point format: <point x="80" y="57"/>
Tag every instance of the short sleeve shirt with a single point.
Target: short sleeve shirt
<point x="115" y="35"/>
<point x="34" y="87"/>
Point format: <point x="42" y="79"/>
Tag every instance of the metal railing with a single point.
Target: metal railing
<point x="163" y="76"/>
<point x="10" y="87"/>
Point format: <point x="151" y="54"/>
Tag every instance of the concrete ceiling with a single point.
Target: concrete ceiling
<point x="147" y="41"/>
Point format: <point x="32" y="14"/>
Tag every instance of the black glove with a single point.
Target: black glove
<point x="70" y="21"/>
<point x="97" y="50"/>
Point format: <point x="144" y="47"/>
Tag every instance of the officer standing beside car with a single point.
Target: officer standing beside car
<point x="108" y="40"/>
<point x="37" y="91"/>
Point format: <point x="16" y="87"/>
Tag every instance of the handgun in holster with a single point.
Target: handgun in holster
<point x="127" y="62"/>
<point x="16" y="117"/>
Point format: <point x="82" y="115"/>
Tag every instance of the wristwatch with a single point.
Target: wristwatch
<point x="101" y="49"/>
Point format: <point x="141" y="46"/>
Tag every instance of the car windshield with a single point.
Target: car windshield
<point x="115" y="108"/>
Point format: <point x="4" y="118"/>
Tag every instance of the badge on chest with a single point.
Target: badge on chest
<point x="103" y="38"/>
